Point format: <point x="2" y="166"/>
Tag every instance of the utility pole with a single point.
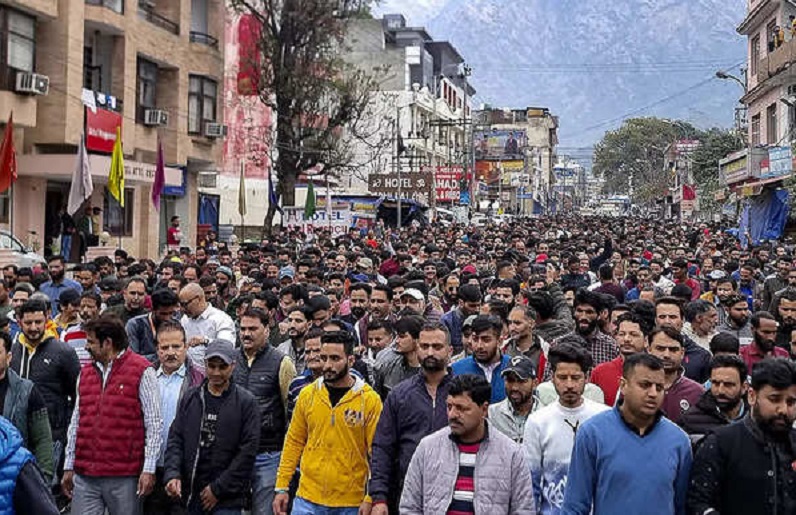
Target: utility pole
<point x="398" y="159"/>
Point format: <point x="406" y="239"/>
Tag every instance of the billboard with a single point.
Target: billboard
<point x="500" y="144"/>
<point x="101" y="127"/>
<point x="339" y="222"/>
<point x="491" y="172"/>
<point x="780" y="162"/>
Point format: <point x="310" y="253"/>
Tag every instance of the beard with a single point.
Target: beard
<point x="332" y="376"/>
<point x="432" y="364"/>
<point x="778" y="426"/>
<point x="587" y="329"/>
<point x="358" y="312"/>
<point x="57" y="276"/>
<point x="765" y="345"/>
<point x="740" y="322"/>
<point x="727" y="403"/>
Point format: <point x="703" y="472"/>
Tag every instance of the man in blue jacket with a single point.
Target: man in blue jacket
<point x="486" y="361"/>
<point x="414" y="409"/>
<point x="630" y="459"/>
<point x="22" y="487"/>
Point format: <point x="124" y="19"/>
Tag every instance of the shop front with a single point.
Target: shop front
<point x="41" y="194"/>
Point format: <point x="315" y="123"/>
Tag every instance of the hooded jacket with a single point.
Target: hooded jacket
<point x="705" y="417"/>
<point x="332" y="443"/>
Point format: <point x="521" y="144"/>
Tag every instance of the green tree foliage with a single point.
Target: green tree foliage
<point x="637" y="148"/>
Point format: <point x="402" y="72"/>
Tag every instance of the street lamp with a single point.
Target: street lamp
<point x="728" y="76"/>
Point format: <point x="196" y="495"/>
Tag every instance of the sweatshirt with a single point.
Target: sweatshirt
<point x="614" y="470"/>
<point x="548" y="441"/>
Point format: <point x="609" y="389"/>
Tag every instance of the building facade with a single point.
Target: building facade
<point x="153" y="68"/>
<point x="420" y="120"/>
<point x="515" y="152"/>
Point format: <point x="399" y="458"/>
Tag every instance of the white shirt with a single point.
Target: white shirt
<point x="548" y="441"/>
<point x="212" y="324"/>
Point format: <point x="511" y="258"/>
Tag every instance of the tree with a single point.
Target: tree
<point x="715" y="145"/>
<point x="637" y="148"/>
<point x="319" y="100"/>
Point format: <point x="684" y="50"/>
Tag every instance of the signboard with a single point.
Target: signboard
<point x="101" y="129"/>
<point x="780" y="162"/>
<point x="491" y="171"/>
<point x="340" y="221"/>
<point x="735" y="167"/>
<point x="449" y="183"/>
<point x="416" y="186"/>
<point x="498" y="145"/>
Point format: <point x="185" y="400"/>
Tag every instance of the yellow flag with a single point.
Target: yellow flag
<point x="116" y="175"/>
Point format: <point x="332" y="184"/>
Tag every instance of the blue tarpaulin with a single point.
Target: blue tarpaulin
<point x="768" y="214"/>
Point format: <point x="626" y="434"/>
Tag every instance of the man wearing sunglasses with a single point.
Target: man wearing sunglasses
<point x="202" y="322"/>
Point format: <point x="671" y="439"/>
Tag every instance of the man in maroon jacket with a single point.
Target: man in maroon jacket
<point x="668" y="344"/>
<point x="114" y="437"/>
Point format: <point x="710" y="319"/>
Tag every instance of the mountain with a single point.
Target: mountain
<point x="596" y="62"/>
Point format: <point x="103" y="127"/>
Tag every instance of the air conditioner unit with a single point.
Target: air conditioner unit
<point x="215" y="130"/>
<point x="32" y="83"/>
<point x="156" y="117"/>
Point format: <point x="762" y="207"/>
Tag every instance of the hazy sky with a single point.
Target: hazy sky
<point x="417" y="12"/>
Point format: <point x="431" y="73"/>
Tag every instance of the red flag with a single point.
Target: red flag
<point x="689" y="193"/>
<point x="8" y="157"/>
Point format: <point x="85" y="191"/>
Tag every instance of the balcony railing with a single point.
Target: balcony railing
<point x="116" y="6"/>
<point x="149" y="14"/>
<point x="777" y="61"/>
<point x="204" y="39"/>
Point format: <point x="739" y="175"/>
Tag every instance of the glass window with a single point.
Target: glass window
<point x="755" y="54"/>
<point x="771" y="124"/>
<point x="202" y="102"/>
<point x="147" y="86"/>
<point x="755" y="136"/>
<point x="21" y="41"/>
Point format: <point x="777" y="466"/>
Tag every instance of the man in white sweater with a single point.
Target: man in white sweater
<point x="550" y="432"/>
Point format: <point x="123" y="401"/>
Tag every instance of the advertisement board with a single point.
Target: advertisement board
<point x="491" y="171"/>
<point x="780" y="162"/>
<point x="499" y="144"/>
<point x="448" y="182"/>
<point x="340" y="220"/>
<point x="101" y="127"/>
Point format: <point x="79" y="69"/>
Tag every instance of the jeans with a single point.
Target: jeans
<point x="304" y="507"/>
<point x="263" y="482"/>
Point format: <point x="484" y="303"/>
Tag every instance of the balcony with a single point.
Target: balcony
<point x="116" y="6"/>
<point x="204" y="39"/>
<point x="147" y="12"/>
<point x="777" y="61"/>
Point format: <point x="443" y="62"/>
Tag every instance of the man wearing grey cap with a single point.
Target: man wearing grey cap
<point x="509" y="415"/>
<point x="213" y="439"/>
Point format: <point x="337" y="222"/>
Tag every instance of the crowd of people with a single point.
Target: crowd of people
<point x="556" y="365"/>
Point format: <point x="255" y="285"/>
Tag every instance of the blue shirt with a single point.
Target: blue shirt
<point x="54" y="290"/>
<point x="169" y="386"/>
<point x="470" y="366"/>
<point x="614" y="470"/>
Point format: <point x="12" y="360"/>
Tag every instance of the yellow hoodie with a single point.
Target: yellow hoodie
<point x="333" y="445"/>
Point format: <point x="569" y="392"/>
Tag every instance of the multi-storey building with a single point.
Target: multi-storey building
<point x="515" y="152"/>
<point x="420" y="118"/>
<point x="153" y="68"/>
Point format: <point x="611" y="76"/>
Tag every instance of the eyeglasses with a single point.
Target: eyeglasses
<point x="188" y="302"/>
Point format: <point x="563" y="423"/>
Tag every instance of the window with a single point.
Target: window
<point x="21" y="41"/>
<point x="202" y="93"/>
<point x="770" y="33"/>
<point x="755" y="57"/>
<point x="113" y="5"/>
<point x="146" y="87"/>
<point x="199" y="16"/>
<point x="118" y="221"/>
<point x="755" y="137"/>
<point x="771" y="124"/>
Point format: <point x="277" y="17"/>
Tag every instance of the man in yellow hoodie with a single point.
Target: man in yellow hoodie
<point x="331" y="433"/>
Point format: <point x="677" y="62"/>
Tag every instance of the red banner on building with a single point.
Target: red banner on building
<point x="448" y="182"/>
<point x="101" y="129"/>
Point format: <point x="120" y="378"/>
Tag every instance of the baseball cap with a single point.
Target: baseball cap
<point x="221" y="349"/>
<point x="226" y="271"/>
<point x="522" y="366"/>
<point x="414" y="293"/>
<point x="717" y="274"/>
<point x="365" y="262"/>
<point x="287" y="271"/>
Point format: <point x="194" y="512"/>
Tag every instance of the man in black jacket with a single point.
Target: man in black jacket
<point x="413" y="410"/>
<point x="746" y="468"/>
<point x="266" y="373"/>
<point x="213" y="439"/>
<point x="39" y="356"/>
<point x="723" y="403"/>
